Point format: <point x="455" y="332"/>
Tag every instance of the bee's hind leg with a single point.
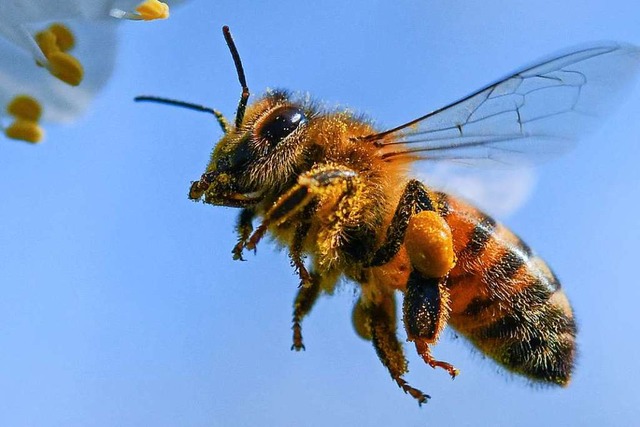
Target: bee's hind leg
<point x="425" y="312"/>
<point x="418" y="224"/>
<point x="415" y="199"/>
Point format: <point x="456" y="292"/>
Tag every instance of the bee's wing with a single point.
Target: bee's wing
<point x="497" y="191"/>
<point x="530" y="115"/>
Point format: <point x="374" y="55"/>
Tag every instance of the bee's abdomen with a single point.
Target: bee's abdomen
<point x="506" y="300"/>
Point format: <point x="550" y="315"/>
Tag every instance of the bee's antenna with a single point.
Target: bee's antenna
<point x="242" y="105"/>
<point x="218" y="115"/>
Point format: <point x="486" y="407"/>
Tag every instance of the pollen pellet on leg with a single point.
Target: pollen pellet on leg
<point x="429" y="244"/>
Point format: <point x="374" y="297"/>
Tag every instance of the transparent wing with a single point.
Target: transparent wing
<point x="530" y="115"/>
<point x="497" y="191"/>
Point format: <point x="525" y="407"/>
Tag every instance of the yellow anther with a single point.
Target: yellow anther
<point x="25" y="130"/>
<point x="55" y="38"/>
<point x="153" y="9"/>
<point x="54" y="42"/>
<point x="46" y="40"/>
<point x="64" y="36"/>
<point x="66" y="68"/>
<point x="25" y="107"/>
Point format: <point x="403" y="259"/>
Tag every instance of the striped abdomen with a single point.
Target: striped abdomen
<point x="505" y="299"/>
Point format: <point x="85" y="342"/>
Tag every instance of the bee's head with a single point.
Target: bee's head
<point x="257" y="156"/>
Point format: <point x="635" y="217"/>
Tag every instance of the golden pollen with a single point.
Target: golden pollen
<point x="66" y="67"/>
<point x="429" y="243"/>
<point x="25" y="130"/>
<point x="150" y="10"/>
<point x="64" y="37"/>
<point x="47" y="42"/>
<point x="54" y="42"/>
<point x="25" y="107"/>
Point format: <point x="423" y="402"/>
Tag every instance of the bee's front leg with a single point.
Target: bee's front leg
<point x="301" y="200"/>
<point x="296" y="247"/>
<point x="320" y="180"/>
<point x="244" y="227"/>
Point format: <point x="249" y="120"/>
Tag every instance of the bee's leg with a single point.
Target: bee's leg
<point x="389" y="349"/>
<point x="321" y="179"/>
<point x="307" y="297"/>
<point x="295" y="251"/>
<point x="429" y="244"/>
<point x="425" y="312"/>
<point x="244" y="227"/>
<point x="415" y="198"/>
<point x="361" y="316"/>
<point x="302" y="305"/>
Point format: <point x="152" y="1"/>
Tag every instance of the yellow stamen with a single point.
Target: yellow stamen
<point x="56" y="38"/>
<point x="153" y="9"/>
<point x="25" y="107"/>
<point x="66" y="68"/>
<point x="47" y="42"/>
<point x="64" y="36"/>
<point x="25" y="130"/>
<point x="54" y="42"/>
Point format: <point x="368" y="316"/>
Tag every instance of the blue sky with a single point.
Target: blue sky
<point x="122" y="306"/>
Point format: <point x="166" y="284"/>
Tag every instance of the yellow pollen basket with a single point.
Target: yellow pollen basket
<point x="27" y="112"/>
<point x="54" y="42"/>
<point x="150" y="10"/>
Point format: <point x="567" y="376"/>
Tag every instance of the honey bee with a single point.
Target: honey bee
<point x="336" y="193"/>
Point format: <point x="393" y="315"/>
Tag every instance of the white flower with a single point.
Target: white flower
<point x="56" y="54"/>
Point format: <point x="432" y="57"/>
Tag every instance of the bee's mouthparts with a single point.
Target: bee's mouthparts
<point x="223" y="192"/>
<point x="239" y="200"/>
<point x="198" y="188"/>
<point x="253" y="196"/>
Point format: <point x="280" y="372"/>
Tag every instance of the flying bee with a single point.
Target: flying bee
<point x="337" y="193"/>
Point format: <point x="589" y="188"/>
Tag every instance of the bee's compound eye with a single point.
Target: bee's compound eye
<point x="280" y="123"/>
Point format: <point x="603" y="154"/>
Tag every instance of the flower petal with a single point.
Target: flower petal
<point x="96" y="45"/>
<point x="59" y="66"/>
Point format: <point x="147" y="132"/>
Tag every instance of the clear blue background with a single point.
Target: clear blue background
<point x="120" y="303"/>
